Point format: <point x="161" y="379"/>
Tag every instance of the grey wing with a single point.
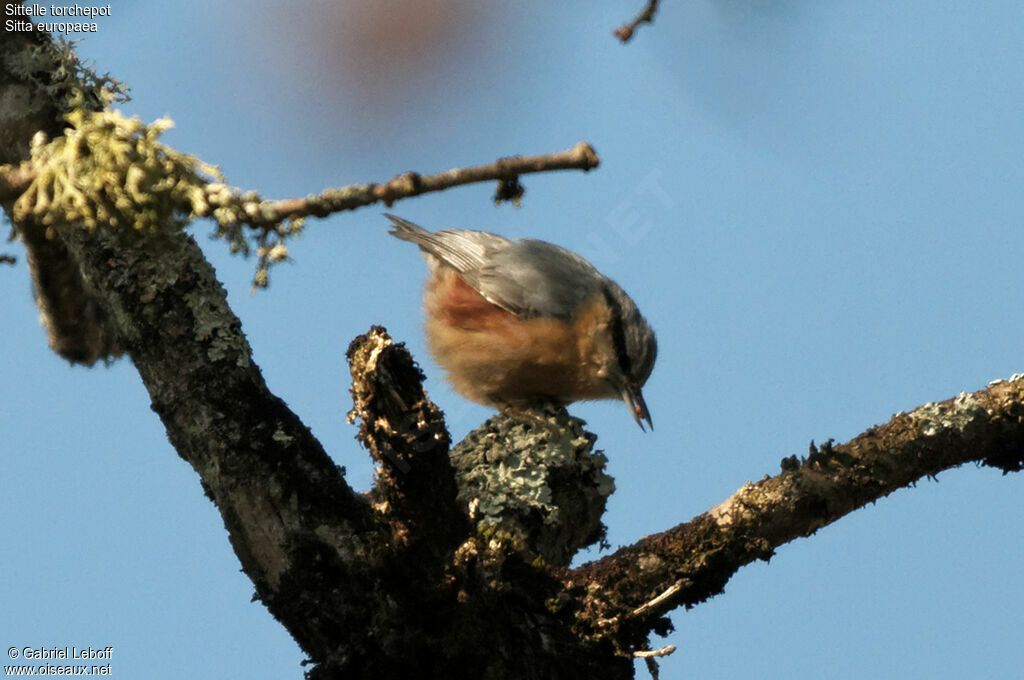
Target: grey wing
<point x="465" y="251"/>
<point x="533" y="278"/>
<point x="526" y="277"/>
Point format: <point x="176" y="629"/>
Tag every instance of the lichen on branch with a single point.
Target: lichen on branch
<point x="111" y="170"/>
<point x="108" y="170"/>
<point x="537" y="482"/>
<point x="107" y="167"/>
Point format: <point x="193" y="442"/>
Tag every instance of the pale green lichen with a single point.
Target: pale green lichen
<point x="108" y="170"/>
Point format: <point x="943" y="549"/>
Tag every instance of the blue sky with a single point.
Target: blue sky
<point x="816" y="205"/>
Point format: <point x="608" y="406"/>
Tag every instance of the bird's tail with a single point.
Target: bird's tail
<point x="406" y="230"/>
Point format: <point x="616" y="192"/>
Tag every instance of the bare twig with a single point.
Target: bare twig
<point x="7" y="259"/>
<point x="504" y="170"/>
<point x="625" y="32"/>
<point x="669" y="592"/>
<point x="646" y="607"/>
<point x="652" y="653"/>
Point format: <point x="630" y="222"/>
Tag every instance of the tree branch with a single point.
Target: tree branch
<point x="627" y="592"/>
<point x="14" y="181"/>
<point x="625" y="31"/>
<point x="407" y="438"/>
<point x="409" y="184"/>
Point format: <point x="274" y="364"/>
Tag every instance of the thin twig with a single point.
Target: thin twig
<point x="649" y="605"/>
<point x="652" y="653"/>
<point x="505" y="170"/>
<point x="669" y="592"/>
<point x="625" y="32"/>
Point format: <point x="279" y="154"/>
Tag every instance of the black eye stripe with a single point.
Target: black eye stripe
<point x="618" y="332"/>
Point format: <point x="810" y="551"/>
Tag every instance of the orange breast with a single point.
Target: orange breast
<point x="493" y="357"/>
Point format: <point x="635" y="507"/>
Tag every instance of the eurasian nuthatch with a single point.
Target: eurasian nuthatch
<point x="516" y="321"/>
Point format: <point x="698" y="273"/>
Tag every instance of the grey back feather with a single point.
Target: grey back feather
<point x="526" y="277"/>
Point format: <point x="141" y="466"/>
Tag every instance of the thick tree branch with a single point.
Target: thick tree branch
<point x="77" y="326"/>
<point x="301" y="534"/>
<point x="405" y="433"/>
<point x="628" y="591"/>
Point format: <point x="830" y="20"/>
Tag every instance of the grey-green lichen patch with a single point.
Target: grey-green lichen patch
<point x="954" y="415"/>
<point x="60" y="76"/>
<point x="282" y="437"/>
<point x="14" y="99"/>
<point x="535" y="477"/>
<point x="222" y="340"/>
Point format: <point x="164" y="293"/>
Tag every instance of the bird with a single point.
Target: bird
<point x="513" y="322"/>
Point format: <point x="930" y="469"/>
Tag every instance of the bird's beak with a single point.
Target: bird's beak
<point x="634" y="399"/>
